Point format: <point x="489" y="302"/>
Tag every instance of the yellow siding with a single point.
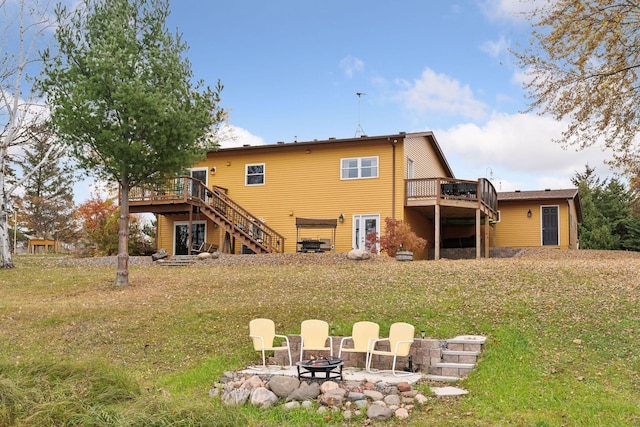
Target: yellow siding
<point x="166" y="230"/>
<point x="301" y="184"/>
<point x="165" y="233"/>
<point x="424" y="158"/>
<point x="516" y="229"/>
<point x="573" y="225"/>
<point x="303" y="180"/>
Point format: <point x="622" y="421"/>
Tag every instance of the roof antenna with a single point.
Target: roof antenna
<point x="359" y="129"/>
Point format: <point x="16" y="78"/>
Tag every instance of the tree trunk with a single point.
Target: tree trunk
<point x="5" y="244"/>
<point x="122" y="275"/>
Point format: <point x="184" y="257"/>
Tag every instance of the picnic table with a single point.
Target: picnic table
<point x="310" y="245"/>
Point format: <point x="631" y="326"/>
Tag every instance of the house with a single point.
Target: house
<point x="320" y="195"/>
<point x="547" y="218"/>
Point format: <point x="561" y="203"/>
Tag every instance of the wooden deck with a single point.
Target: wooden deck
<point x="186" y="195"/>
<point x="451" y="193"/>
<point x="440" y="199"/>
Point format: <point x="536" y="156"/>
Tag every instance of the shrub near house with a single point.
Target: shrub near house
<point x="399" y="237"/>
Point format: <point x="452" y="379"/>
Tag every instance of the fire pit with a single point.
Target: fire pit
<point x="330" y="366"/>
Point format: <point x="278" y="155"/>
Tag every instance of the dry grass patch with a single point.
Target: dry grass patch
<point x="562" y="325"/>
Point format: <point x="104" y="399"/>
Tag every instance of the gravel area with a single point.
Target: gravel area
<point x="326" y="258"/>
<point x="337" y="258"/>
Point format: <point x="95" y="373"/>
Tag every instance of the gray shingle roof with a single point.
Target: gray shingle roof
<point x="569" y="193"/>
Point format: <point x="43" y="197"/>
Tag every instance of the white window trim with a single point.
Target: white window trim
<point x="246" y="174"/>
<point x="206" y="175"/>
<point x="360" y="217"/>
<point x="178" y="223"/>
<point x="499" y="216"/>
<point x="359" y="159"/>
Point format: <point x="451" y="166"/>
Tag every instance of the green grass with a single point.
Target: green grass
<point x="562" y="330"/>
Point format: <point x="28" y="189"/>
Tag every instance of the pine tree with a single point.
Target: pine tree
<point x="125" y="100"/>
<point x="47" y="203"/>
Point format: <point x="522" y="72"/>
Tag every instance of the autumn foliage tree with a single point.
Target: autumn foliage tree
<point x="99" y="225"/>
<point x="582" y="64"/>
<point x="98" y="220"/>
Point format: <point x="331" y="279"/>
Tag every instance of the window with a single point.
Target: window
<point x="255" y="174"/>
<point x="361" y="167"/>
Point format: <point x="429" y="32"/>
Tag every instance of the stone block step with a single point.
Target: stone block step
<point x="461" y="352"/>
<point x="179" y="261"/>
<point x="460" y="356"/>
<point x="459" y="370"/>
<point x="466" y="343"/>
<point x="467" y="339"/>
<point x="456" y="365"/>
<point x="442" y="378"/>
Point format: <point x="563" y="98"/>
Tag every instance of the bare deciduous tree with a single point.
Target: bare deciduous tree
<point x="23" y="31"/>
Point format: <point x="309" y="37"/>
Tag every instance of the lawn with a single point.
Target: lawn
<point x="562" y="330"/>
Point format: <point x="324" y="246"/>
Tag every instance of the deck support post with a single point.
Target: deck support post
<point x="487" y="229"/>
<point x="436" y="246"/>
<point x="190" y="231"/>
<point x="478" y="239"/>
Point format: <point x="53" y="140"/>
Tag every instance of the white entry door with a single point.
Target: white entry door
<point x="366" y="229"/>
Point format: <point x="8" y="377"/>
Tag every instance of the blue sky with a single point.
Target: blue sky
<point x="291" y="70"/>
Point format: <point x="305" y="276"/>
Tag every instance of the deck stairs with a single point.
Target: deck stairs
<point x="178" y="261"/>
<point x="236" y="223"/>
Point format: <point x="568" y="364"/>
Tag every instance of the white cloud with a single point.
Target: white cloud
<point x="521" y="77"/>
<point x="237" y="137"/>
<point x="434" y="92"/>
<point x="351" y="65"/>
<point x="519" y="150"/>
<point x="497" y="48"/>
<point x="511" y="10"/>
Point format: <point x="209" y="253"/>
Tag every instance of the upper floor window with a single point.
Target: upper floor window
<point x="255" y="174"/>
<point x="359" y="167"/>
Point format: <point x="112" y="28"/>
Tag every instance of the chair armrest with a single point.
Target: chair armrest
<point x="371" y="345"/>
<point x="286" y="338"/>
<point x="258" y="336"/>
<point x="343" y="339"/>
<point x="401" y="342"/>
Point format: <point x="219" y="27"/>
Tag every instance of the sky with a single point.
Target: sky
<point x="291" y="70"/>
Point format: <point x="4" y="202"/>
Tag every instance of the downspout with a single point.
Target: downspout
<point x="569" y="245"/>
<point x="393" y="177"/>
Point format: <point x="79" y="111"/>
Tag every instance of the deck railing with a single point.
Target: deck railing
<point x="244" y="222"/>
<point x="190" y="190"/>
<point x="481" y="191"/>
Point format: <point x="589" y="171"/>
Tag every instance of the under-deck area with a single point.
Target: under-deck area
<point x="448" y="202"/>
